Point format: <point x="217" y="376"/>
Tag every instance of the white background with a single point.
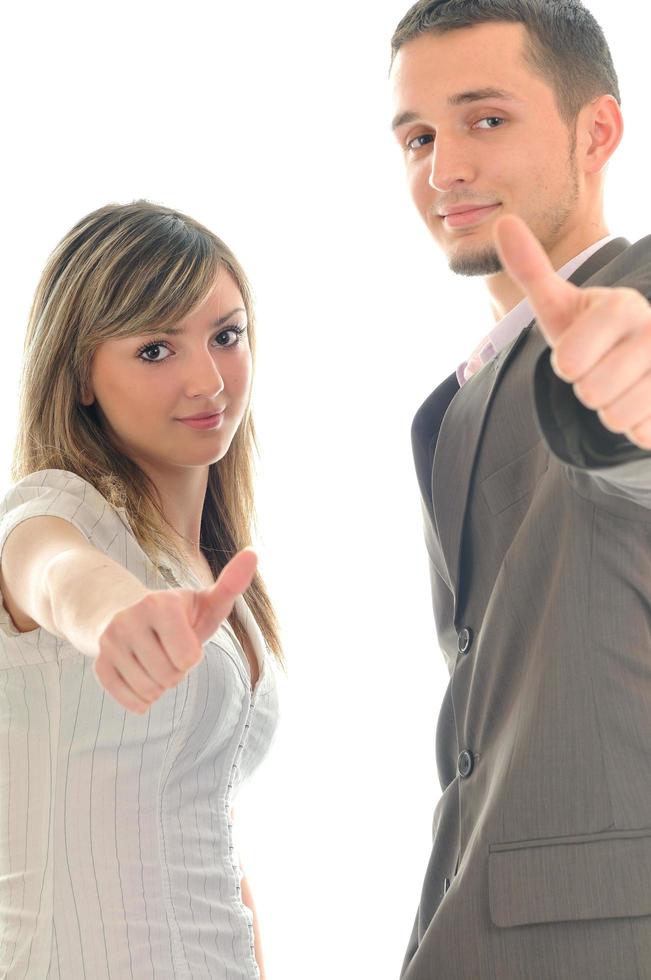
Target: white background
<point x="269" y="123"/>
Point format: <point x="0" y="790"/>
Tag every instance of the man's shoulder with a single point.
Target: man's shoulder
<point x="630" y="266"/>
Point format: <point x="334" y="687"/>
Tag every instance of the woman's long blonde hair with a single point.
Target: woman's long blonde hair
<point x="120" y="270"/>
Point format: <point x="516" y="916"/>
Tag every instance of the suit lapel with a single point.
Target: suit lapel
<point x="454" y="458"/>
<point x="464" y="420"/>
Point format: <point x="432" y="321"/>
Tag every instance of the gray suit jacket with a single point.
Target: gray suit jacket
<point x="538" y="529"/>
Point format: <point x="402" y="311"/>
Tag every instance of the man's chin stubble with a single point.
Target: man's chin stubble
<point x="485" y="263"/>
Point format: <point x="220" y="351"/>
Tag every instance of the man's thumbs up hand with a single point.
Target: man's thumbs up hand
<point x="600" y="337"/>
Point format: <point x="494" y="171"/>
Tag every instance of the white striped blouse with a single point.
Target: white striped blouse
<point x="116" y="848"/>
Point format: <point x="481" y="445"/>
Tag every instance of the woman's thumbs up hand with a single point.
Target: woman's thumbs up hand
<point x="149" y="646"/>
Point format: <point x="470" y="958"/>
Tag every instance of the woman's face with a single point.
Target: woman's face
<point x="144" y="385"/>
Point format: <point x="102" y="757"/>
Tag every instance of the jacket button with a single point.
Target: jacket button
<point x="465" y="763"/>
<point x="464" y="640"/>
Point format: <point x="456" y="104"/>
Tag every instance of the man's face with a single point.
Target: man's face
<point x="479" y="130"/>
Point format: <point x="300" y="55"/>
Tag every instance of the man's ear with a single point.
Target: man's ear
<point x="600" y="128"/>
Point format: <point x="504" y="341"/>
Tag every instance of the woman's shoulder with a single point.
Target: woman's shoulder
<point x="40" y="481"/>
<point x="64" y="494"/>
<point x="49" y="493"/>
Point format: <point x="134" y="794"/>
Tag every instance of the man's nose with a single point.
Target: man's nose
<point x="450" y="165"/>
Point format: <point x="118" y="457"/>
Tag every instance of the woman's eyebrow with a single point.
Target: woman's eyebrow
<point x="174" y="331"/>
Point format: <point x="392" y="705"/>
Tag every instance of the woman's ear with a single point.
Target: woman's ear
<point x="87" y="397"/>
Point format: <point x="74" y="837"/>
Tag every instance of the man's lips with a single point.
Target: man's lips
<point x="464" y="214"/>
<point x="469" y="206"/>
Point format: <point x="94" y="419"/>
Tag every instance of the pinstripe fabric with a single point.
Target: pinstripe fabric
<point x="538" y="531"/>
<point x="116" y="849"/>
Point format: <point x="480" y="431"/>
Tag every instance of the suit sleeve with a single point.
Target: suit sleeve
<point x="576" y="436"/>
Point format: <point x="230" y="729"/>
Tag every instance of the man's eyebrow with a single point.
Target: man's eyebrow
<point x="175" y="331"/>
<point x="402" y="118"/>
<point x="478" y="95"/>
<point x="461" y="98"/>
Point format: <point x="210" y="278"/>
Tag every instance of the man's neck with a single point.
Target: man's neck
<point x="505" y="294"/>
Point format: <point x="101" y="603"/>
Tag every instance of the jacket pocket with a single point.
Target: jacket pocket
<point x="592" y="876"/>
<point x="515" y="479"/>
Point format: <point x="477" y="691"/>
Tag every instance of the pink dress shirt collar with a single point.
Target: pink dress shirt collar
<point x="507" y="329"/>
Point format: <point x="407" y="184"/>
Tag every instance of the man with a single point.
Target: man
<point x="534" y="464"/>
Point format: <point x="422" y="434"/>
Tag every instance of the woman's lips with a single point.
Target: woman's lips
<point x="212" y="422"/>
<point x="471" y="217"/>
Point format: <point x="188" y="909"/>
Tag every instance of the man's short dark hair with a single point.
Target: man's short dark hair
<point x="566" y="44"/>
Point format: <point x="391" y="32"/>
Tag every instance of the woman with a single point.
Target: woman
<point x="136" y="693"/>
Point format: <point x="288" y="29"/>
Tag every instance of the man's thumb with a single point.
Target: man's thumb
<point x="524" y="259"/>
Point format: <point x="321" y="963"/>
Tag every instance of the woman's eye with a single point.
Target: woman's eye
<point x="152" y="347"/>
<point x="490" y="119"/>
<point x="234" y="332"/>
<point x="225" y="338"/>
<point x="417" y="142"/>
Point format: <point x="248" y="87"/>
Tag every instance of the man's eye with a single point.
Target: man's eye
<point x="490" y="119"/>
<point x="418" y="141"/>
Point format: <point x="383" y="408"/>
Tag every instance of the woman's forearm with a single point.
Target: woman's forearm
<point x="81" y="592"/>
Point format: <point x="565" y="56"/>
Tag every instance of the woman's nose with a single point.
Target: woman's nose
<point x="204" y="376"/>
